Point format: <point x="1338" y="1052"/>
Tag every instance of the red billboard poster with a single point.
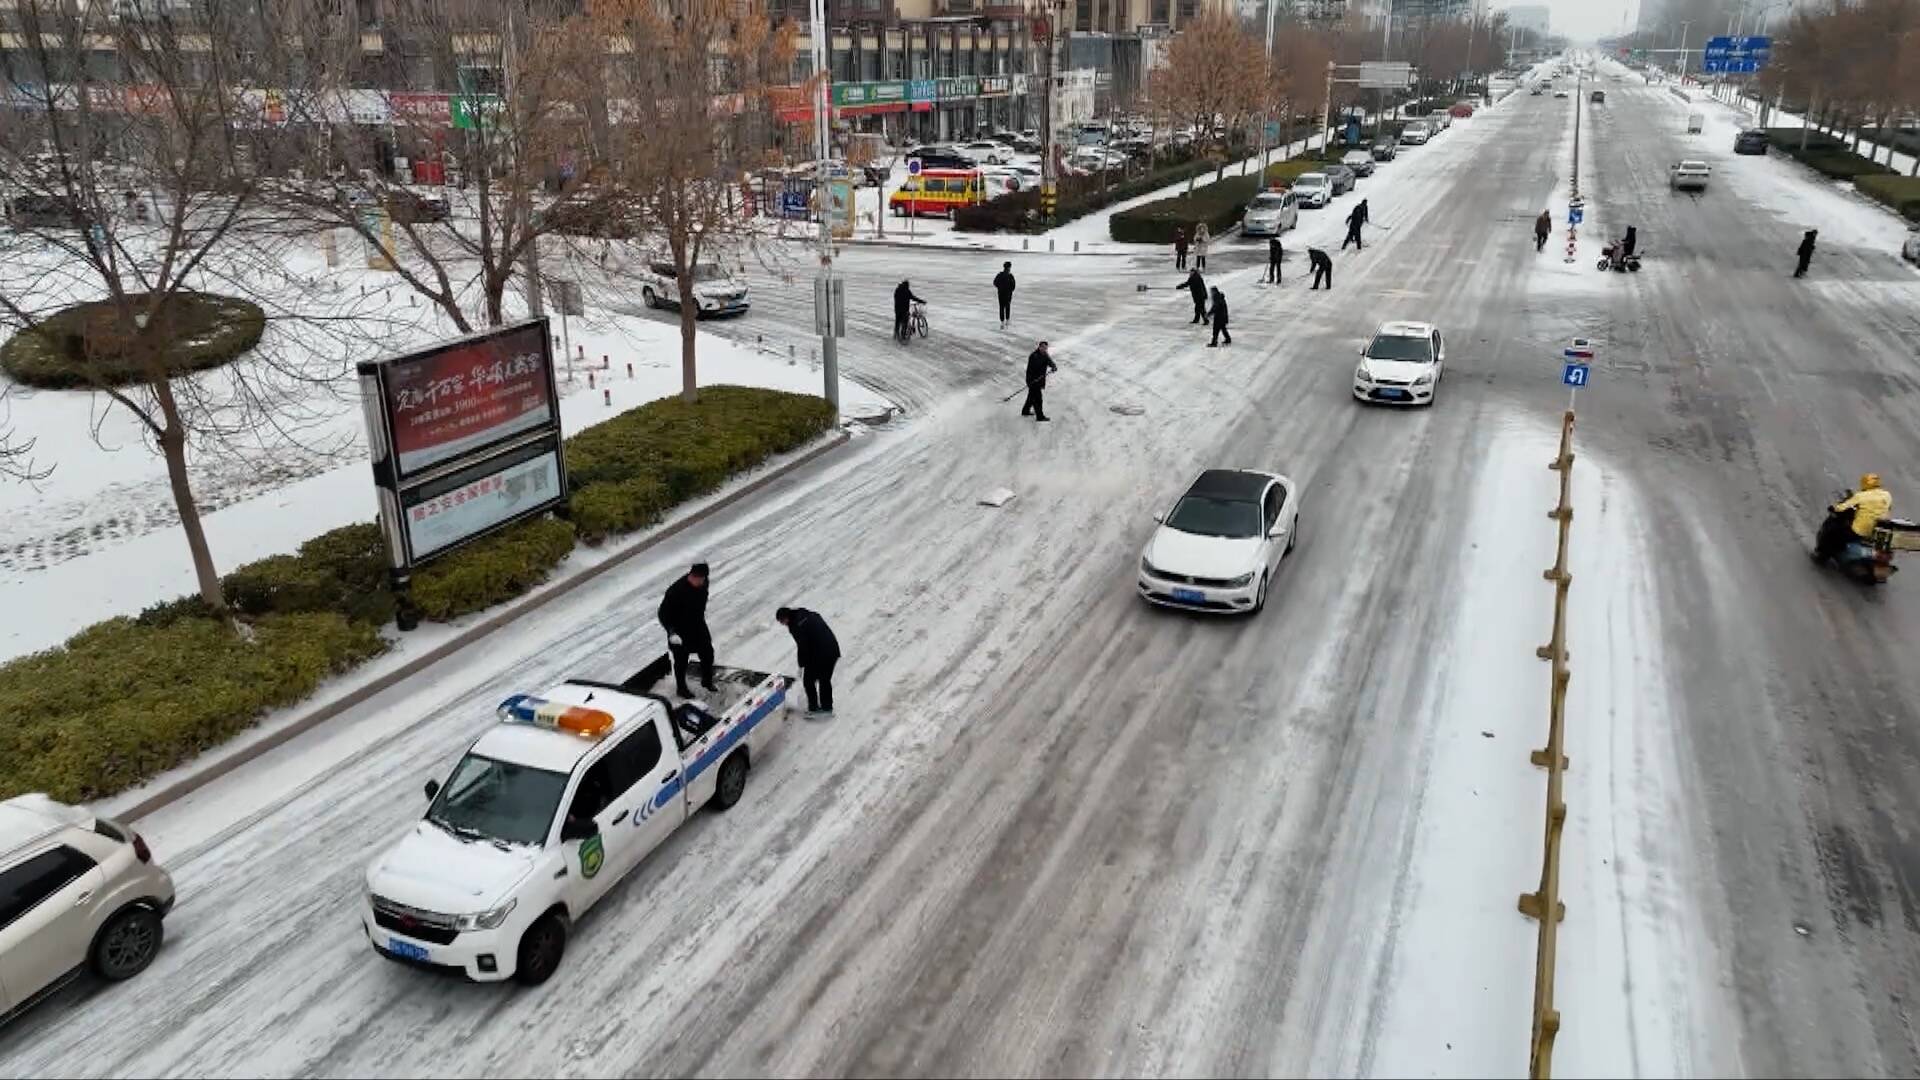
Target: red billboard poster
<point x="468" y="395"/>
<point x="422" y="110"/>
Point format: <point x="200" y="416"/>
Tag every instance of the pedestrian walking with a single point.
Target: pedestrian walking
<point x="1322" y="266"/>
<point x="683" y="613"/>
<point x="1197" y="285"/>
<point x="1542" y="228"/>
<point x="1003" y="286"/>
<point x="1179" y="247"/>
<point x="1632" y="241"/>
<point x="1200" y="241"/>
<point x="1274" y="255"/>
<point x="1806" y="253"/>
<point x="1219" y="319"/>
<point x="818" y="652"/>
<point x="1354" y="221"/>
<point x="1038" y="364"/>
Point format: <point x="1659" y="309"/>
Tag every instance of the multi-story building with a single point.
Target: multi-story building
<point x="1535" y="19"/>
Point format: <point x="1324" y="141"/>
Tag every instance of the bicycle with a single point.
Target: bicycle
<point x="916" y="324"/>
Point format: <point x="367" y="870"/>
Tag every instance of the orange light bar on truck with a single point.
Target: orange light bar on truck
<point x="556" y="716"/>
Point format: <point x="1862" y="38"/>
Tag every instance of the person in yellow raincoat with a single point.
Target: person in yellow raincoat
<point x="1869" y="504"/>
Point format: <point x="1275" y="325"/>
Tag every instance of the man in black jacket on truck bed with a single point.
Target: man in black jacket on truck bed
<point x="683" y="613"/>
<point x="819" y="651"/>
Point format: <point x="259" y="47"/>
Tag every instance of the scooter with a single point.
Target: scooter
<point x="1868" y="561"/>
<point x="1611" y="258"/>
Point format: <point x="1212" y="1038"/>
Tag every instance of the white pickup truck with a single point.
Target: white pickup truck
<point x="551" y="807"/>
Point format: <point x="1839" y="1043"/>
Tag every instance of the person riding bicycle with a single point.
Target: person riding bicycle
<point x="902" y="298"/>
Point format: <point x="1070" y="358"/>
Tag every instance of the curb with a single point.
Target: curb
<point x="186" y="785"/>
<point x="915" y="245"/>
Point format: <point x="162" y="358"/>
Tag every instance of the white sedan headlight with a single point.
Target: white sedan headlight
<point x="1242" y="581"/>
<point x="1424" y="380"/>
<point x="1360" y="374"/>
<point x="1150" y="569"/>
<point x="485" y="920"/>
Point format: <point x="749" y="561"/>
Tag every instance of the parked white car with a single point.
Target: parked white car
<point x="1270" y="214"/>
<point x="1910" y="251"/>
<point x="1690" y="176"/>
<point x="1360" y="161"/>
<point x="717" y="291"/>
<point x="1314" y="189"/>
<point x="1414" y="134"/>
<point x="76" y="891"/>
<point x="1402" y="365"/>
<point x="987" y="152"/>
<point x="551" y="807"/>
<point x="1219" y="546"/>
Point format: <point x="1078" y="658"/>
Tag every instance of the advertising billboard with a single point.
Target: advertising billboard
<point x="462" y="397"/>
<point x="465" y="439"/>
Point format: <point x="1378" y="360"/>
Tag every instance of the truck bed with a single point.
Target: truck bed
<point x="737" y="693"/>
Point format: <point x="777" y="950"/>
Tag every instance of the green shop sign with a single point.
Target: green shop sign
<point x="966" y="86"/>
<point x="869" y="94"/>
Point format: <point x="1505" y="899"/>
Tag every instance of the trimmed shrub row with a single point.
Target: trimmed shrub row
<point x="1824" y="154"/>
<point x="128" y="698"/>
<point x="1218" y="204"/>
<point x="1902" y="193"/>
<point x="1078" y="196"/>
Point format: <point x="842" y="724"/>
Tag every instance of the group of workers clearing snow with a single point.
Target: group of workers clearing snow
<point x="683" y="615"/>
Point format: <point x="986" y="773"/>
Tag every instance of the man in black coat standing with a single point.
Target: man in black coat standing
<point x="1322" y="266"/>
<point x="819" y="650"/>
<point x="1003" y="285"/>
<point x="1197" y="285"/>
<point x="1219" y="319"/>
<point x="1354" y="222"/>
<point x="1274" y="255"/>
<point x="683" y="613"/>
<point x="1038" y="364"/>
<point x="1806" y="253"/>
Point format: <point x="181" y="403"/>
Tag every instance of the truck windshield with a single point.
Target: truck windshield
<point x="1206" y="515"/>
<point x="498" y="800"/>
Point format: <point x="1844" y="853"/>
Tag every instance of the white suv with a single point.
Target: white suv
<point x="75" y="891"/>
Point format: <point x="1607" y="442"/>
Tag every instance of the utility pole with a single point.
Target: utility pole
<point x="823" y="199"/>
<point x="1049" y="175"/>
<point x="1683" y="50"/>
<point x="1326" y="117"/>
<point x="1266" y="95"/>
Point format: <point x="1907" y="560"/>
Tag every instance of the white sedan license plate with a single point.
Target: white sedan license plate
<point x="1397" y="395"/>
<point x="406" y="950"/>
<point x="1191" y="596"/>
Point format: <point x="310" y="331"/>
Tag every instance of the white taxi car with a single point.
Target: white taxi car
<point x="553" y="806"/>
<point x="1221" y="543"/>
<point x="1313" y="189"/>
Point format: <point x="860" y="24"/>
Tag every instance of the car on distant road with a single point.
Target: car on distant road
<point x="1415" y="134"/>
<point x="77" y="891"/>
<point x="35" y="211"/>
<point x="1689" y="175"/>
<point x="1559" y="91"/>
<point x="941" y="156"/>
<point x="1222" y="541"/>
<point x="1385" y="150"/>
<point x="1461" y="109"/>
<point x="1313" y="190"/>
<point x="715" y="290"/>
<point x="1270" y="214"/>
<point x="1538" y="89"/>
<point x="987" y="152"/>
<point x="1751" y="141"/>
<point x="1360" y="161"/>
<point x="411" y="207"/>
<point x="563" y="796"/>
<point x="1910" y="251"/>
<point x="1344" y="179"/>
<point x="1402" y="365"/>
<point x="1598" y="97"/>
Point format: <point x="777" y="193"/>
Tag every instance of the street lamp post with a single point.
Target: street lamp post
<point x="823" y="201"/>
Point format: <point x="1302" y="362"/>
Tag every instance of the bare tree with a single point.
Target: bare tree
<point x="134" y="195"/>
<point x="687" y="88"/>
<point x="499" y="145"/>
<point x="1211" y="77"/>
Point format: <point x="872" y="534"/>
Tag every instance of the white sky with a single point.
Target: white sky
<point x="1584" y="20"/>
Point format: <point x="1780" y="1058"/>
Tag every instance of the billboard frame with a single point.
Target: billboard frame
<point x="400" y="490"/>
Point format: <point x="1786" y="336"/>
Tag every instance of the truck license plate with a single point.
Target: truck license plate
<point x="1191" y="596"/>
<point x="406" y="950"/>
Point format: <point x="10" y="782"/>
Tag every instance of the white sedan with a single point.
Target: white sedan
<point x="1401" y="365"/>
<point x="1911" y="249"/>
<point x="988" y="152"/>
<point x="1221" y="543"/>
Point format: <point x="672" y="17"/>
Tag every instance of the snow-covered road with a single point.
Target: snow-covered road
<point x="1052" y="832"/>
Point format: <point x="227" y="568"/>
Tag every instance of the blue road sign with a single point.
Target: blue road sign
<point x="1574" y="375"/>
<point x="913" y="166"/>
<point x="1736" y="55"/>
<point x="1575" y="215"/>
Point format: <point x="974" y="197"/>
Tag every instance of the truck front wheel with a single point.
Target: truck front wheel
<point x="732" y="783"/>
<point x="541" y="948"/>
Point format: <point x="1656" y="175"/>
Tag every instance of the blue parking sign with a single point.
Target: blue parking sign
<point x="1574" y="375"/>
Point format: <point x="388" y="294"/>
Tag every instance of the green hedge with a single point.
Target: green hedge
<point x="1824" y="154"/>
<point x="1902" y="193"/>
<point x="1218" y="204"/>
<point x="127" y="698"/>
<point x="1078" y="196"/>
<point x="122" y="701"/>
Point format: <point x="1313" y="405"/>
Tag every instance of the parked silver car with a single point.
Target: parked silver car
<point x="1344" y="179"/>
<point x="76" y="891"/>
